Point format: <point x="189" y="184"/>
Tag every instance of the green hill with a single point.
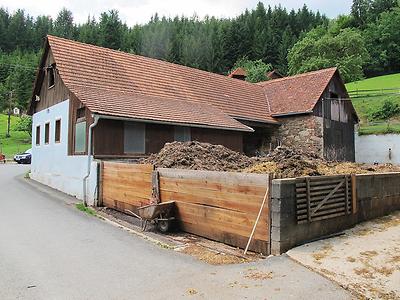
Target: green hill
<point x="375" y="83"/>
<point x="18" y="142"/>
<point x="369" y="95"/>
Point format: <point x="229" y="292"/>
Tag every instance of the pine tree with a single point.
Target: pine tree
<point x="64" y="24"/>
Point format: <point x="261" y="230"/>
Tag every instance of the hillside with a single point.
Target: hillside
<point x="18" y="142"/>
<point x="369" y="95"/>
<point x="379" y="82"/>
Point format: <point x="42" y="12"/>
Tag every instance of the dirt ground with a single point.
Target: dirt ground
<point x="365" y="260"/>
<point x="208" y="251"/>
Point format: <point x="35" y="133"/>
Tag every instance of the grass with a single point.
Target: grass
<point x="366" y="105"/>
<point x="379" y="82"/>
<point x="18" y="142"/>
<point x="86" y="209"/>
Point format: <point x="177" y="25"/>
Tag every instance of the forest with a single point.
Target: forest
<point x="366" y="42"/>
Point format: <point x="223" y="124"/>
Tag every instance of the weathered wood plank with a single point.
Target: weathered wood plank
<point x="354" y="193"/>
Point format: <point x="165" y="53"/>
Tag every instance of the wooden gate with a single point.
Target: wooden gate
<point x="324" y="197"/>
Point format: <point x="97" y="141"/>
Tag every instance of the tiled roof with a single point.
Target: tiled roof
<point x="150" y="108"/>
<point x="92" y="67"/>
<point x="296" y="94"/>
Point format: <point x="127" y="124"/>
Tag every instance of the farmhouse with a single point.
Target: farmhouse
<point x="91" y="102"/>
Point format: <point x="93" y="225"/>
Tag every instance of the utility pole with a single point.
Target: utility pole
<point x="9" y="114"/>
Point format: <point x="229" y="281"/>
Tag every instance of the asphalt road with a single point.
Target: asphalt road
<point x="50" y="250"/>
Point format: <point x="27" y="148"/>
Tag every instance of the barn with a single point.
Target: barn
<point x="91" y="103"/>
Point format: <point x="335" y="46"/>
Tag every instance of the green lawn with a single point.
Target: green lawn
<point x="374" y="100"/>
<point x="18" y="142"/>
<point x="379" y="82"/>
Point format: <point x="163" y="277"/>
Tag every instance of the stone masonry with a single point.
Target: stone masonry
<point x="303" y="132"/>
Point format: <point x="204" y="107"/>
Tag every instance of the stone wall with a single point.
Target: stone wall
<point x="303" y="132"/>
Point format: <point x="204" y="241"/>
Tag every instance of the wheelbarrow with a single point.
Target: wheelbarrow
<point x="160" y="214"/>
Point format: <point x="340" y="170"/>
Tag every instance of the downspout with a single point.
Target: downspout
<point x="89" y="158"/>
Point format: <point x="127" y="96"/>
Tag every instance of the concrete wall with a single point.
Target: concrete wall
<point x="375" y="148"/>
<point x="50" y="163"/>
<point x="377" y="195"/>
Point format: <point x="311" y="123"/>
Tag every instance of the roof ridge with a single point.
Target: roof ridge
<point x="262" y="83"/>
<point x="149" y="58"/>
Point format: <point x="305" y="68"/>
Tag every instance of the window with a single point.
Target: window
<point x="51" y="75"/>
<point x="46" y="133"/>
<point x="80" y="113"/>
<point x="80" y="137"/>
<point x="37" y="135"/>
<point x="57" y="133"/>
<point x="134" y="137"/>
<point x="182" y="134"/>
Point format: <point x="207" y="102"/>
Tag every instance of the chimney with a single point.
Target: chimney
<point x="239" y="73"/>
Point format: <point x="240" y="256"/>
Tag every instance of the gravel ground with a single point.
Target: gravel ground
<point x="366" y="259"/>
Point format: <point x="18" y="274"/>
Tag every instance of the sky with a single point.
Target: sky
<point x="139" y="11"/>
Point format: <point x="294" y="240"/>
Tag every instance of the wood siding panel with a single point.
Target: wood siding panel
<point x="51" y="96"/>
<point x="230" y="139"/>
<point x="156" y="137"/>
<point x="108" y="137"/>
<point x="338" y="123"/>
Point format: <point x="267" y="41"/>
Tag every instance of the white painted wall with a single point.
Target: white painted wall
<point x="51" y="164"/>
<point x="375" y="148"/>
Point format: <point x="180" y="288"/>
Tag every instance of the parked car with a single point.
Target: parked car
<point x="24" y="158"/>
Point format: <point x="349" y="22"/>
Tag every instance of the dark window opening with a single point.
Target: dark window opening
<point x="80" y="114"/>
<point x="46" y="133"/>
<point x="38" y="135"/>
<point x="51" y="75"/>
<point x="57" y="133"/>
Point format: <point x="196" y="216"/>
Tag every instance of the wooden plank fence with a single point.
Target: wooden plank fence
<point x="221" y="206"/>
<point x="125" y="186"/>
<point x="324" y="197"/>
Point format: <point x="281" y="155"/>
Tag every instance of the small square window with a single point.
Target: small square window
<point x="57" y="132"/>
<point x="46" y="133"/>
<point x="37" y="135"/>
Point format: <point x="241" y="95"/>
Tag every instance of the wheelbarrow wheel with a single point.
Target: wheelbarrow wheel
<point x="163" y="226"/>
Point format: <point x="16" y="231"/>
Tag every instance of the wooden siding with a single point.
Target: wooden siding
<point x="221" y="206"/>
<point x="74" y="105"/>
<point x="109" y="136"/>
<point x="156" y="137"/>
<point x="125" y="186"/>
<point x="51" y="96"/>
<point x="339" y="119"/>
<point x="230" y="139"/>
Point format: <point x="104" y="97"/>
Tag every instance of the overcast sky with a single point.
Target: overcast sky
<point x="140" y="11"/>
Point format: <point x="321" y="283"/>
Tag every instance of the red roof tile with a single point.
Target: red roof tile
<point x="92" y="67"/>
<point x="296" y="94"/>
<point x="150" y="108"/>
